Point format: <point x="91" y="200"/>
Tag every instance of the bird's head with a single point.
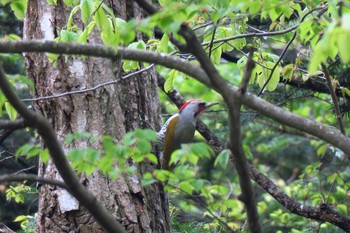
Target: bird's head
<point x="194" y="107"/>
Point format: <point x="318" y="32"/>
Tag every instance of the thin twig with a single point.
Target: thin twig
<point x="32" y="178"/>
<point x="248" y="35"/>
<point x="334" y="99"/>
<point x="213" y="37"/>
<point x="248" y="69"/>
<point x="89" y="89"/>
<point x="285" y="49"/>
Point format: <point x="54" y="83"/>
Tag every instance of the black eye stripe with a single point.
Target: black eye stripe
<point x="202" y="105"/>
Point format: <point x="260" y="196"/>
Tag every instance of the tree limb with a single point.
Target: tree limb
<point x="33" y="178"/>
<point x="13" y="125"/>
<point x="326" y="133"/>
<point x="323" y="213"/>
<point x="37" y="121"/>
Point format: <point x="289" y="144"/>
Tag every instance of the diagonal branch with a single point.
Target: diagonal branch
<point x="37" y="121"/>
<point x="324" y="213"/>
<point x="248" y="69"/>
<point x="334" y="99"/>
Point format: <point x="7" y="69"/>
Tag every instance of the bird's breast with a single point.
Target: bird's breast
<point x="184" y="131"/>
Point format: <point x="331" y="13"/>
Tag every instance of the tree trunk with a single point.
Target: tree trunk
<point x="110" y="110"/>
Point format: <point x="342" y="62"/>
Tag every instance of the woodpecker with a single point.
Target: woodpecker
<point x="179" y="129"/>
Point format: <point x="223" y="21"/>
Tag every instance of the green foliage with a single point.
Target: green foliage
<point x="15" y="80"/>
<point x="19" y="7"/>
<point x="18" y="193"/>
<point x="27" y="223"/>
<point x="114" y="157"/>
<point x="31" y="150"/>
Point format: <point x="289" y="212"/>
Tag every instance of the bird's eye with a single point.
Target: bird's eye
<point x="202" y="104"/>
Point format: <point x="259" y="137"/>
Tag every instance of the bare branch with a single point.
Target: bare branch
<point x="334" y="99"/>
<point x="30" y="177"/>
<point x="248" y="35"/>
<point x="213" y="37"/>
<point x="106" y="52"/>
<point x="88" y="89"/>
<point x="248" y="69"/>
<point x="37" y="121"/>
<point x="13" y="125"/>
<point x="323" y="213"/>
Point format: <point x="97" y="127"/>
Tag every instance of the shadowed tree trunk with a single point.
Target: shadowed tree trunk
<point x="111" y="110"/>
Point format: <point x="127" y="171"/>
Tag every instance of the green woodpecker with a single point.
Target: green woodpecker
<point x="179" y="129"/>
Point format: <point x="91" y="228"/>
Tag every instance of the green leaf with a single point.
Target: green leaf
<point x="102" y="21"/>
<point x="86" y="7"/>
<point x="147" y="179"/>
<point x="105" y="164"/>
<point x="343" y="209"/>
<point x="25" y="149"/>
<point x="163" y="45"/>
<point x="332" y="178"/>
<point x="129" y="139"/>
<point x="198" y="184"/>
<point x="68" y="36"/>
<point x="69" y="3"/>
<point x="44" y="155"/>
<point x="321" y="151"/>
<point x="54" y="2"/>
<point x="150" y="134"/>
<point x="3" y="100"/>
<point x="19" y="7"/>
<point x="70" y="18"/>
<point x="287" y="72"/>
<point x="11" y="111"/>
<point x="344" y="91"/>
<point x="75" y="154"/>
<point x="216" y="55"/>
<point x="137" y="157"/>
<point x="83" y="37"/>
<point x="193" y="158"/>
<point x="344" y="46"/>
<point x="263" y="74"/>
<point x="162" y="175"/>
<point x="152" y="158"/>
<point x="186" y="187"/>
<point x="202" y="150"/>
<point x="222" y="159"/>
<point x="170" y="79"/>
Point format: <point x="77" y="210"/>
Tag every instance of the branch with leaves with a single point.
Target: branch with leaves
<point x="326" y="133"/>
<point x="329" y="134"/>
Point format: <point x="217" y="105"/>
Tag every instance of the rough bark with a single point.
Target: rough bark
<point x="112" y="110"/>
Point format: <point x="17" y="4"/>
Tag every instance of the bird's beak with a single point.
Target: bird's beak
<point x="208" y="105"/>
